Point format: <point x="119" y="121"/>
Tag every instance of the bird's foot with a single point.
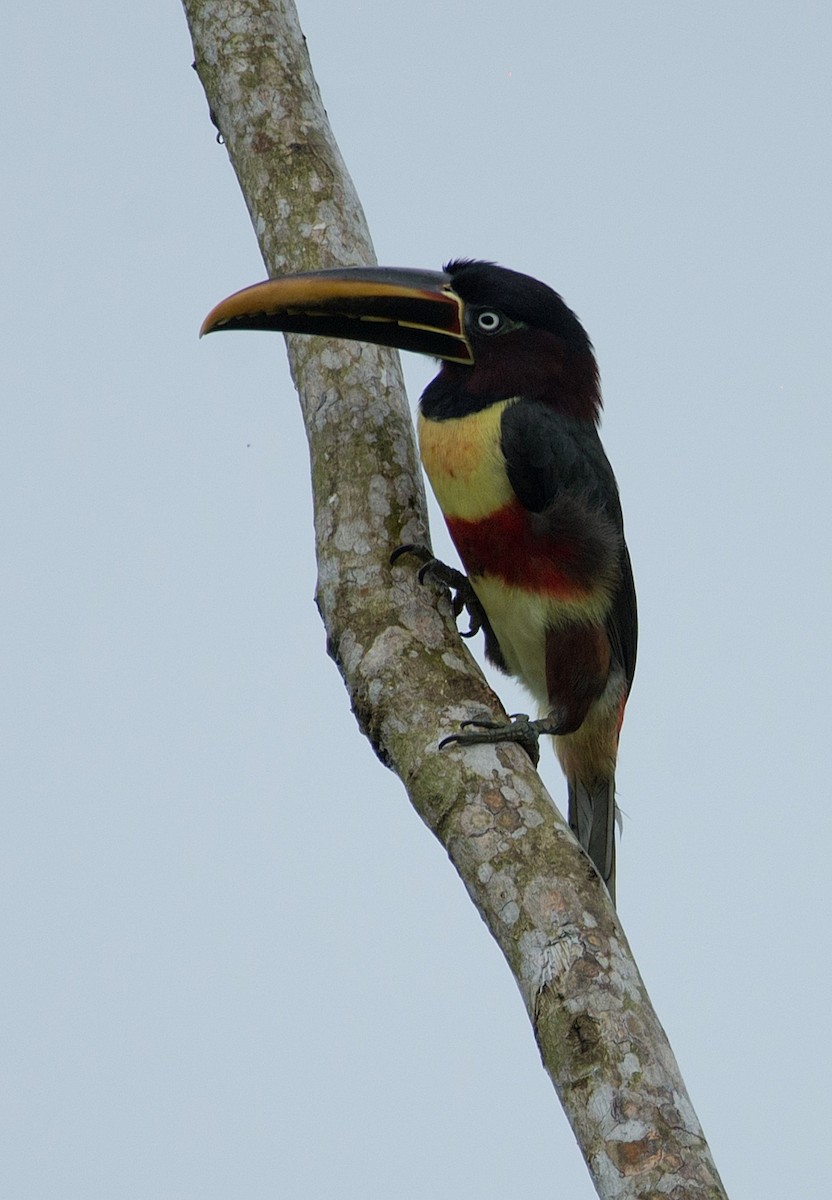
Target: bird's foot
<point x="520" y="729"/>
<point x="463" y="595"/>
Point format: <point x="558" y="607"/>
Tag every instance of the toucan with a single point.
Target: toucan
<point x="508" y="436"/>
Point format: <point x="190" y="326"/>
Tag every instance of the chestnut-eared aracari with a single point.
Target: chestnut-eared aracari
<point x="509" y="440"/>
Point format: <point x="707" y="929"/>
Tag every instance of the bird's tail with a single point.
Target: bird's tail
<point x="592" y="820"/>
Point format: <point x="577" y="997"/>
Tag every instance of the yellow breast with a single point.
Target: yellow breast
<point x="464" y="463"/>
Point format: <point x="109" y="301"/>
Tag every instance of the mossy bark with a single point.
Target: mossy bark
<point x="409" y="677"/>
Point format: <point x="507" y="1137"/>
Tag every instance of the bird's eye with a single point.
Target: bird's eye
<point x="489" y="321"/>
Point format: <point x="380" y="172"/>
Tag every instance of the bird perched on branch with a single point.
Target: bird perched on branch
<point x="509" y="441"/>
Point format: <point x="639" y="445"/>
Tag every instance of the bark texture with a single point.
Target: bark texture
<point x="409" y="677"/>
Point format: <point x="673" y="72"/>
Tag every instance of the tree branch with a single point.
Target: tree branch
<point x="409" y="677"/>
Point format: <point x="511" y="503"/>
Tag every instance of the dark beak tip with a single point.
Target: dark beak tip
<point x="209" y="326"/>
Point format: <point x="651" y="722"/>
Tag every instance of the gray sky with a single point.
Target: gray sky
<point x="234" y="961"/>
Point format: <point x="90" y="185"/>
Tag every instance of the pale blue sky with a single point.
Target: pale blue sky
<point x="234" y="962"/>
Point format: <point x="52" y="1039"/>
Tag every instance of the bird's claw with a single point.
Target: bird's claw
<point x="519" y="729"/>
<point x="463" y="595"/>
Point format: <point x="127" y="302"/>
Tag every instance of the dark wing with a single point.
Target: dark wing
<point x="622" y="621"/>
<point x="558" y="469"/>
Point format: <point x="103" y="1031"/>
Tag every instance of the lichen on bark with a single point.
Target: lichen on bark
<point x="409" y="678"/>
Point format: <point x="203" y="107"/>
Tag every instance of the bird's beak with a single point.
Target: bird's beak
<point x="412" y="310"/>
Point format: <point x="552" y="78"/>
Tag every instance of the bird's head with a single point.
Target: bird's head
<point x="497" y="332"/>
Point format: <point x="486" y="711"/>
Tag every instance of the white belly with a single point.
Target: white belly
<point x="519" y="620"/>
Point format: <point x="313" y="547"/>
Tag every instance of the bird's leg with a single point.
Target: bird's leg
<point x="463" y="595"/>
<point x="520" y="729"/>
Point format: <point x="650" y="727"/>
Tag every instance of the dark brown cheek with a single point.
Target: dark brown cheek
<point x="539" y="366"/>
<point x="500" y="371"/>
